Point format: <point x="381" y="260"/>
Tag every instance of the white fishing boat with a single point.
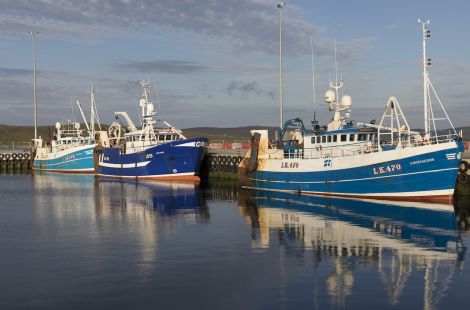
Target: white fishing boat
<point x="387" y="160"/>
<point x="70" y="149"/>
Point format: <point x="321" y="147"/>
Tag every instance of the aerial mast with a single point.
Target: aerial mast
<point x="337" y="84"/>
<point x="426" y="64"/>
<point x="313" y="78"/>
<point x="92" y="110"/>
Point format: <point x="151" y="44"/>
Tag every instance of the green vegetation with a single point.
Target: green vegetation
<point x="22" y="135"/>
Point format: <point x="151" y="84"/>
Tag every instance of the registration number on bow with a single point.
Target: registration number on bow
<point x="386" y="169"/>
<point x="289" y="165"/>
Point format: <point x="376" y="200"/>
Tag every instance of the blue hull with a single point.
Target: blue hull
<point x="174" y="160"/>
<point x="73" y="160"/>
<point x="428" y="175"/>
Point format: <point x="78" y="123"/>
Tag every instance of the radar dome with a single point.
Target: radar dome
<point x="346" y="101"/>
<point x="142" y="102"/>
<point x="77" y="126"/>
<point x="330" y="96"/>
<point x="57" y="125"/>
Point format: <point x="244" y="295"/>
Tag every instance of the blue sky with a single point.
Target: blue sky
<point x="215" y="63"/>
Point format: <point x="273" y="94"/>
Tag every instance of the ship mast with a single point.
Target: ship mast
<point x="281" y="96"/>
<point x="426" y="64"/>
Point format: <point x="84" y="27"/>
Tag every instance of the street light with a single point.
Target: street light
<point x="280" y="6"/>
<point x="34" y="33"/>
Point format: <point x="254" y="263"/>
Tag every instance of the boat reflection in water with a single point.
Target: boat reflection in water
<point x="136" y="214"/>
<point x="160" y="198"/>
<point x="400" y="241"/>
<point x="163" y="198"/>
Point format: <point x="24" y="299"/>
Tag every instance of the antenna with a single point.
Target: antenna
<point x="313" y="79"/>
<point x="337" y="84"/>
<point x="92" y="111"/>
<point x="426" y="63"/>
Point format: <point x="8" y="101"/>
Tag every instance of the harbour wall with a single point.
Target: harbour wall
<point x="16" y="160"/>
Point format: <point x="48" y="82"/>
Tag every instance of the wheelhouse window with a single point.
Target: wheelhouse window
<point x="329" y="139"/>
<point x="352" y="137"/>
<point x="362" y="137"/>
<point x="323" y="139"/>
<point x="168" y="138"/>
<point x="318" y="139"/>
<point x="344" y="138"/>
<point x="313" y="140"/>
<point x="335" y="138"/>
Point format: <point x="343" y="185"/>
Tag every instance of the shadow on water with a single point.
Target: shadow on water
<point x="462" y="212"/>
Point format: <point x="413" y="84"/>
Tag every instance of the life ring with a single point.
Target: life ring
<point x="20" y="155"/>
<point x="2" y="156"/>
<point x="463" y="166"/>
<point x="463" y="178"/>
<point x="7" y="156"/>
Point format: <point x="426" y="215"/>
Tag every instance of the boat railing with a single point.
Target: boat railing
<point x="343" y="151"/>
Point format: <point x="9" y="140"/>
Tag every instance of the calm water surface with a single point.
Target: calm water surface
<point x="72" y="242"/>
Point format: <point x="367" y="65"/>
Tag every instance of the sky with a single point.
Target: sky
<point x="216" y="63"/>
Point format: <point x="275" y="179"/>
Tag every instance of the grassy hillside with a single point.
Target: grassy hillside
<point x="227" y="135"/>
<point x="22" y="135"/>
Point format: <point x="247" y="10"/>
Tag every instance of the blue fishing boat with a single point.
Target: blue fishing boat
<point x="387" y="160"/>
<point x="156" y="151"/>
<point x="70" y="149"/>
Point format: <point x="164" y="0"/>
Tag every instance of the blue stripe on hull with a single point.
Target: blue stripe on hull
<point x="169" y="159"/>
<point x="73" y="161"/>
<point x="415" y="175"/>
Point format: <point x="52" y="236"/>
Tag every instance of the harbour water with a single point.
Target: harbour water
<point x="74" y="242"/>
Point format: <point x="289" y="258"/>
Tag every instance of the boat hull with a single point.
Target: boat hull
<point x="73" y="160"/>
<point x="424" y="173"/>
<point x="178" y="160"/>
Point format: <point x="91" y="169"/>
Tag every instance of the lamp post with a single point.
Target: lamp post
<point x="34" y="33"/>
<point x="281" y="99"/>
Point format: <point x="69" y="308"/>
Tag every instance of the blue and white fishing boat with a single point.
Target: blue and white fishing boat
<point x="156" y="151"/>
<point x="365" y="160"/>
<point x="69" y="150"/>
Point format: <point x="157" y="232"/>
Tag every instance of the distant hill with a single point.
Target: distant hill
<point x="22" y="135"/>
<point x="230" y="134"/>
